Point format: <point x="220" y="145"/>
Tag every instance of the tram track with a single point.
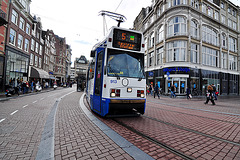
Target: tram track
<point x="171" y="149"/>
<point x="193" y="131"/>
<point x="197" y="115"/>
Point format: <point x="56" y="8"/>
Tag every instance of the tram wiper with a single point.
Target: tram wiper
<point x="112" y="72"/>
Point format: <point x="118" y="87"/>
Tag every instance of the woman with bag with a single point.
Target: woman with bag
<point x="210" y="95"/>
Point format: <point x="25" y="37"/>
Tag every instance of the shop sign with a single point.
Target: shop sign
<point x="150" y="74"/>
<point x="176" y="69"/>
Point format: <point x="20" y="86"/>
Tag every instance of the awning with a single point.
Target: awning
<point x="38" y="73"/>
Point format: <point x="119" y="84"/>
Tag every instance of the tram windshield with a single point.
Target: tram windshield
<point x="125" y="64"/>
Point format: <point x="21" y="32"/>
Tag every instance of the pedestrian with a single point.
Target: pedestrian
<point x="209" y="95"/>
<point x="150" y="89"/>
<point x="32" y="85"/>
<point x="214" y="91"/>
<point x="189" y="96"/>
<point x="173" y="91"/>
<point x="156" y="91"/>
<point x="24" y="87"/>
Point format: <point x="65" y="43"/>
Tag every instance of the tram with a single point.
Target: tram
<point x="116" y="83"/>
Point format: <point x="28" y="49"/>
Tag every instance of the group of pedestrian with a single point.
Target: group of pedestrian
<point x="211" y="93"/>
<point x="153" y="90"/>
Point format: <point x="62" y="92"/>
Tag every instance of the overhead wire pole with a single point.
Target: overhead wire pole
<point x="117" y="17"/>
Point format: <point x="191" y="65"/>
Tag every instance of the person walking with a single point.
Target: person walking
<point x="209" y="95"/>
<point x="156" y="91"/>
<point x="188" y="93"/>
<point x="150" y="89"/>
<point x="173" y="91"/>
<point x="214" y="91"/>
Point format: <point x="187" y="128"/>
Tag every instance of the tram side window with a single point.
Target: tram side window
<point x="91" y="75"/>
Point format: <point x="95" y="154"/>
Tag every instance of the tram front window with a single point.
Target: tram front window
<point x="125" y="64"/>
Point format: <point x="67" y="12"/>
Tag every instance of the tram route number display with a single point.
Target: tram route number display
<point x="126" y="40"/>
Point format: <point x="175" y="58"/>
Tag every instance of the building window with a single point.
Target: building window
<point x="161" y="33"/>
<point x="194" y="29"/>
<point x="224" y="60"/>
<point x="14" y="18"/>
<point x="33" y="45"/>
<point x="12" y="37"/>
<point x="195" y="3"/>
<point x="224" y="41"/>
<point x="232" y="44"/>
<point x="40" y="50"/>
<point x="20" y="41"/>
<point x="230" y="23"/>
<point x="232" y="62"/>
<point x="223" y="19"/>
<point x="210" y="11"/>
<point x="21" y="23"/>
<point x="36" y="61"/>
<point x="209" y="35"/>
<point x="26" y="45"/>
<point x="234" y="25"/>
<point x="28" y="28"/>
<point x="36" y="47"/>
<point x="151" y="40"/>
<point x="194" y="53"/>
<point x="31" y="59"/>
<point x="209" y="56"/>
<point x="151" y="59"/>
<point x="40" y="62"/>
<point x="222" y="5"/>
<point x="177" y="26"/>
<point x="160" y="56"/>
<point x="176" y="51"/>
<point x="216" y="15"/>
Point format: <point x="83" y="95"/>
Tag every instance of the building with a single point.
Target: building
<point x="18" y="39"/>
<point x="3" y="25"/>
<point x="68" y="62"/>
<point x="59" y="67"/>
<point x="36" y="71"/>
<point x="192" y="43"/>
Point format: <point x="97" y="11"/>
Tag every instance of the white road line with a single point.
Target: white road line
<point x="14" y="112"/>
<point x="2" y="120"/>
<point x="34" y="102"/>
<point x="25" y="106"/>
<point x="41" y="99"/>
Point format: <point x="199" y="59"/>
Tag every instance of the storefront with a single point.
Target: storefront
<point x="196" y="79"/>
<point x="16" y="66"/>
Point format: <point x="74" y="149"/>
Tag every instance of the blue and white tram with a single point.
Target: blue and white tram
<point x="116" y="81"/>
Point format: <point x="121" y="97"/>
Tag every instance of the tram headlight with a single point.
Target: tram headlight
<point x="129" y="89"/>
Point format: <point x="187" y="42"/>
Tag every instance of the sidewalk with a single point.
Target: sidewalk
<point x="3" y="97"/>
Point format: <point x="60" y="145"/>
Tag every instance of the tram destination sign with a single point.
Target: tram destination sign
<point x="126" y="40"/>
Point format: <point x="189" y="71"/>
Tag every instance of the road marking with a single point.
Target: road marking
<point x="14" y="112"/>
<point x="2" y="120"/>
<point x="25" y="106"/>
<point x="34" y="102"/>
<point x="41" y="99"/>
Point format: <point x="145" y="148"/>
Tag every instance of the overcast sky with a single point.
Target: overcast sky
<point x="79" y="20"/>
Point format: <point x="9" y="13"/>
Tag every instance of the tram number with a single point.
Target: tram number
<point x="123" y="36"/>
<point x="113" y="81"/>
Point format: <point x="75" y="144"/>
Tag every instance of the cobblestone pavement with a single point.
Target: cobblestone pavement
<point x="77" y="137"/>
<point x="189" y="126"/>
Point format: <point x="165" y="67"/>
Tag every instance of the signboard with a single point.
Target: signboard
<point x="127" y="40"/>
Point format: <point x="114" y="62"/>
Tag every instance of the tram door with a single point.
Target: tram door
<point x="98" y="79"/>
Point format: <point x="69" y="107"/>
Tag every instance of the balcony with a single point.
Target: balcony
<point x="3" y="17"/>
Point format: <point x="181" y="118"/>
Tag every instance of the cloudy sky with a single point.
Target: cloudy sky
<point x="79" y="20"/>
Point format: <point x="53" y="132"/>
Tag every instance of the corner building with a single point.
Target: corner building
<point x="191" y="43"/>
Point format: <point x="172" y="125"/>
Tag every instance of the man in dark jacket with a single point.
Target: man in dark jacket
<point x="156" y="90"/>
<point x="210" y="95"/>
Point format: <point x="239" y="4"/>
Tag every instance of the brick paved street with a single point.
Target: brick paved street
<point x="188" y="127"/>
